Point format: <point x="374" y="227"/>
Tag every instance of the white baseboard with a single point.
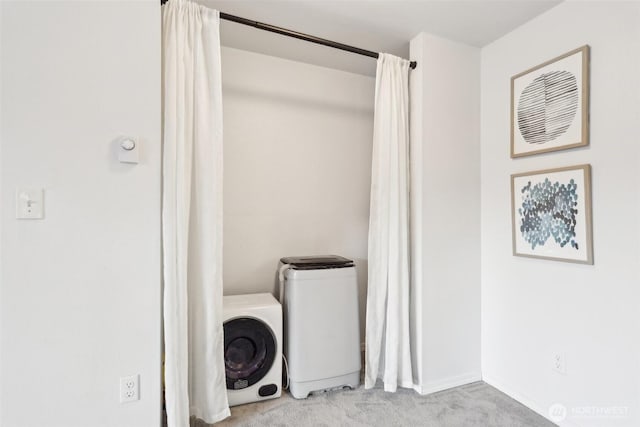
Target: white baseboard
<point x="440" y="385"/>
<point x="447" y="383"/>
<point x="525" y="400"/>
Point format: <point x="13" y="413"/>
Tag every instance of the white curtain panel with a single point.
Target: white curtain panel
<point x="388" y="349"/>
<point x="192" y="214"/>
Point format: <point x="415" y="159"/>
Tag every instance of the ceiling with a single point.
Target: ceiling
<point x="381" y="26"/>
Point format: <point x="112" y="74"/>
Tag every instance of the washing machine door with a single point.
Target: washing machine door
<point x="249" y="351"/>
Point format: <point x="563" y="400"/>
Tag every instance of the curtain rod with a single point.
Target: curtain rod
<point x="300" y="36"/>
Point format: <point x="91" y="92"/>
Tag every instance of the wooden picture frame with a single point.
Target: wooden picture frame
<point x="551" y="214"/>
<point x="550" y="105"/>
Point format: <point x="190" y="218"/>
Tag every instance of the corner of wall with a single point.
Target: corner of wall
<point x="416" y="97"/>
<point x="445" y="158"/>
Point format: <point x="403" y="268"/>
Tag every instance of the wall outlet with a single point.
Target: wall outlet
<point x="129" y="388"/>
<point x="29" y="203"/>
<point x="560" y="363"/>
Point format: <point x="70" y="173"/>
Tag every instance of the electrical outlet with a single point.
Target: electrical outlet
<point x="560" y="363"/>
<point x="129" y="388"/>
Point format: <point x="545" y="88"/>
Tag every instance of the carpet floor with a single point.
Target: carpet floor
<point x="472" y="405"/>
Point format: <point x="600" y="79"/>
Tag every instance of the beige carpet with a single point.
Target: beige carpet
<point x="472" y="405"/>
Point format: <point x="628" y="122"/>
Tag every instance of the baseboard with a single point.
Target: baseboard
<point x="447" y="383"/>
<point x="525" y="400"/>
<point x="435" y="386"/>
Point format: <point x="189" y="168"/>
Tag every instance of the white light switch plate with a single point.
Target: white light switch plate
<point x="29" y="203"/>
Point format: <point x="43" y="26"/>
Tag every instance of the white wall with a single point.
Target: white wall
<point x="445" y="92"/>
<point x="297" y="167"/>
<point x="533" y="308"/>
<point x="80" y="290"/>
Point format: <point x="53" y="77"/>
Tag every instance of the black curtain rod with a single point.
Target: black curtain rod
<point x="300" y="36"/>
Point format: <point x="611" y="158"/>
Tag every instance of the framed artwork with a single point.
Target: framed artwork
<point x="551" y="214"/>
<point x="550" y="105"/>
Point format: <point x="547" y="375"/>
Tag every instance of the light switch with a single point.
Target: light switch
<point x="29" y="203"/>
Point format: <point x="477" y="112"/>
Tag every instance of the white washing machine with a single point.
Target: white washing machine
<point x="252" y="347"/>
<point x="322" y="332"/>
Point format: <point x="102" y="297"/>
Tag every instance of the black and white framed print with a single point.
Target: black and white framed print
<point x="550" y="105"/>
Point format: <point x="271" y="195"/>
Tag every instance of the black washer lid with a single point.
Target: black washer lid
<point x="317" y="262"/>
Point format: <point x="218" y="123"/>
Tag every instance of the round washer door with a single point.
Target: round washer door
<point x="249" y="351"/>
